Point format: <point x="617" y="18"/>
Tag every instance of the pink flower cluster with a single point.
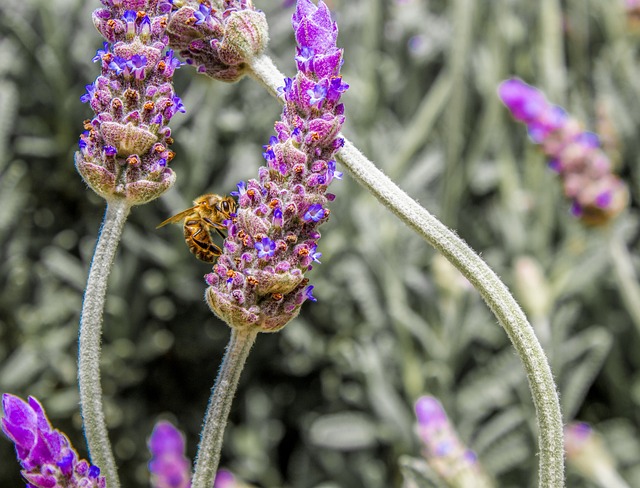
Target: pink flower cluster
<point x="259" y="280"/>
<point x="124" y="150"/>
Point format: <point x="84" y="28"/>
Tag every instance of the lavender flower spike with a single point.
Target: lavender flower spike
<point x="457" y="465"/>
<point x="169" y="467"/>
<point x="597" y="195"/>
<point x="219" y="37"/>
<point x="259" y="280"/>
<point x="124" y="150"/>
<point x="46" y="455"/>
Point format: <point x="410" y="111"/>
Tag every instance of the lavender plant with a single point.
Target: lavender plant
<point x="362" y="351"/>
<point x="123" y="157"/>
<point x="418" y="218"/>
<point x="169" y="467"/>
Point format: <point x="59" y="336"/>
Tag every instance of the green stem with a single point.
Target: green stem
<point x="494" y="292"/>
<point x="95" y="428"/>
<point x="219" y="407"/>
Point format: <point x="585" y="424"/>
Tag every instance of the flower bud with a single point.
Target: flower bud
<point x="45" y="454"/>
<point x="447" y="455"/>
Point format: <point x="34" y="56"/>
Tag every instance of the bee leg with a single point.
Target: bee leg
<point x="208" y="251"/>
<point x="216" y="250"/>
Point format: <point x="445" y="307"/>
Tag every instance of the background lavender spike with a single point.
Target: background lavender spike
<point x="455" y="463"/>
<point x="597" y="195"/>
<point x="169" y="467"/>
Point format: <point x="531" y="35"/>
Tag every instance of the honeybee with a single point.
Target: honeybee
<point x="206" y="215"/>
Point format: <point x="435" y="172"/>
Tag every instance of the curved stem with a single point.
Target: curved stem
<point x="494" y="292"/>
<point x="95" y="428"/>
<point x="222" y="394"/>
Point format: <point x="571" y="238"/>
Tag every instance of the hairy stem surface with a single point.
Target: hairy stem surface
<point x="494" y="292"/>
<point x="219" y="407"/>
<point x="95" y="428"/>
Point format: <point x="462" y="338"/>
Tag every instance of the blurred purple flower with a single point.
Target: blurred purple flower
<point x="169" y="467"/>
<point x="597" y="195"/>
<point x="46" y="455"/>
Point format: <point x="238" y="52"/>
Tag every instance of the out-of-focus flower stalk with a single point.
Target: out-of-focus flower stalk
<point x="46" y="455"/>
<point x="124" y="155"/>
<point x="597" y="195"/>
<point x="588" y="455"/>
<point x="457" y="465"/>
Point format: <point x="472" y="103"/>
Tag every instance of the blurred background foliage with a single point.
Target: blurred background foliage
<point x="328" y="401"/>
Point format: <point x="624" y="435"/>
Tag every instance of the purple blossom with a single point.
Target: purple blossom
<point x="274" y="235"/>
<point x="129" y="16"/>
<point x="597" y="195"/>
<point x="91" y="89"/>
<point x="242" y="189"/>
<point x="118" y="65"/>
<point x="136" y="66"/>
<point x="286" y="88"/>
<point x="169" y="467"/>
<point x="315" y="213"/>
<point x="317" y="95"/>
<point x="315" y="256"/>
<point x="202" y="15"/>
<point x="268" y="153"/>
<point x="101" y="52"/>
<point x="266" y="248"/>
<point x="46" y="455"/>
<point x="308" y="295"/>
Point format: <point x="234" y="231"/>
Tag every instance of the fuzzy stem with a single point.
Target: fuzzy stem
<point x="95" y="428"/>
<point x="222" y="394"/>
<point x="494" y="292"/>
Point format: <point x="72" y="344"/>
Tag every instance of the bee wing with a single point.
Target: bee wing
<point x="177" y="218"/>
